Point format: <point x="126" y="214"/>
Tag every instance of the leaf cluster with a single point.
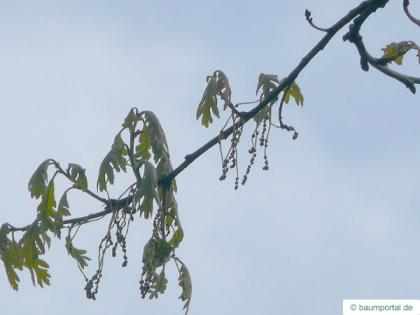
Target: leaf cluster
<point x="217" y="85"/>
<point x="395" y="51"/>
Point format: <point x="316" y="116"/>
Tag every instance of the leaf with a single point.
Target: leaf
<point x="177" y="238"/>
<point x="223" y="87"/>
<point x="208" y="102"/>
<point x="266" y="83"/>
<point x="158" y="141"/>
<point x="114" y="160"/>
<point x="294" y="91"/>
<point x="186" y="285"/>
<point x="32" y="244"/>
<point x="396" y="51"/>
<point x="63" y="206"/>
<point x="262" y="114"/>
<point x="131" y="119"/>
<point x="156" y="253"/>
<point x="148" y="190"/>
<point x="62" y="211"/>
<point x="10" y="256"/>
<point x="144" y="146"/>
<point x="78" y="254"/>
<point x="46" y="212"/>
<point x="38" y="182"/>
<point x="217" y="85"/>
<point x="172" y="215"/>
<point x="77" y="174"/>
<point x="39" y="270"/>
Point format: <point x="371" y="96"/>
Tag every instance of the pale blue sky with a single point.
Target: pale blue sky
<point x="335" y="217"/>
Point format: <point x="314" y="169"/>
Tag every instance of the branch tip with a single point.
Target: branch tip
<point x="308" y="16"/>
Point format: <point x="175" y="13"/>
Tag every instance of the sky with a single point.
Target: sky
<point x="336" y="216"/>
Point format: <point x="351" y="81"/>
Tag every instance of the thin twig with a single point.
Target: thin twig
<point x="354" y="36"/>
<point x="311" y="22"/>
<point x="408" y="13"/>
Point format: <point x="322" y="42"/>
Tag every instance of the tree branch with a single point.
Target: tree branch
<point x="353" y="36"/>
<point x="115" y="205"/>
<point x="408" y="13"/>
<point x="308" y="16"/>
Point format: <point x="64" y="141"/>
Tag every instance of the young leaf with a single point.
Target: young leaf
<point x="77" y="174"/>
<point x="10" y="256"/>
<point x="186" y="285"/>
<point x="131" y="119"/>
<point x="38" y="182"/>
<point x="177" y="238"/>
<point x="62" y="211"/>
<point x="396" y="51"/>
<point x="156" y="253"/>
<point x="262" y="114"/>
<point x="78" y="254"/>
<point x="32" y="244"/>
<point x="158" y="141"/>
<point x="114" y="160"/>
<point x="294" y="91"/>
<point x="39" y="270"/>
<point x="46" y="212"/>
<point x="148" y="190"/>
<point x="266" y="83"/>
<point x="208" y="102"/>
<point x="144" y="146"/>
<point x="223" y="87"/>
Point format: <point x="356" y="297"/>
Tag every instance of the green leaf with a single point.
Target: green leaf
<point x="32" y="244"/>
<point x="46" y="212"/>
<point x="62" y="211"/>
<point x="156" y="253"/>
<point x="177" y="238"/>
<point x="396" y="51"/>
<point x="223" y="87"/>
<point x="63" y="206"/>
<point x="294" y="91"/>
<point x="144" y="146"/>
<point x="158" y="141"/>
<point x="171" y="217"/>
<point x="39" y="272"/>
<point x="10" y="256"/>
<point x="148" y="190"/>
<point x="186" y="285"/>
<point x="11" y="274"/>
<point x="131" y="119"/>
<point x="266" y="83"/>
<point x="78" y="254"/>
<point x="77" y="174"/>
<point x="38" y="182"/>
<point x="208" y="102"/>
<point x="114" y="160"/>
<point x="262" y="114"/>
